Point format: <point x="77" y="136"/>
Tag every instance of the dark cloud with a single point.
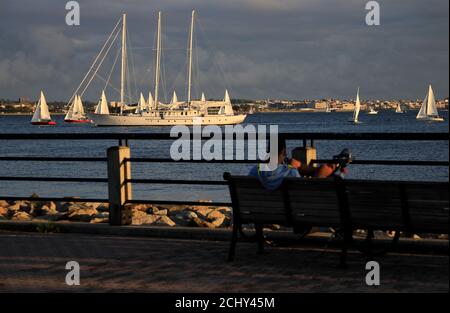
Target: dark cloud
<point x="255" y="48"/>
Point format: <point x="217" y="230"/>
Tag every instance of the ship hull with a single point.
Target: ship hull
<point x="77" y="121"/>
<point x="49" y="123"/>
<point x="135" y="120"/>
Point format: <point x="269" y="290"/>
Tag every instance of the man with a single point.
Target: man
<point x="271" y="180"/>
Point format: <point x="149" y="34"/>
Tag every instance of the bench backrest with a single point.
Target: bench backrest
<point x="313" y="202"/>
<point x="255" y="204"/>
<point x="383" y="205"/>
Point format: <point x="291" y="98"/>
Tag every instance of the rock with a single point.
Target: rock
<point x="184" y="218"/>
<point x="64" y="206"/>
<point x="160" y="212"/>
<point x="142" y="218"/>
<point x="4" y="211"/>
<point x="202" y="211"/>
<point x="174" y="209"/>
<point x="104" y="207"/>
<point x="201" y="223"/>
<point x="81" y="212"/>
<point x="47" y="209"/>
<point x="21" y="216"/>
<point x="216" y="218"/>
<point x="23" y="206"/>
<point x="4" y="204"/>
<point x="140" y="207"/>
<point x="164" y="221"/>
<point x="98" y="220"/>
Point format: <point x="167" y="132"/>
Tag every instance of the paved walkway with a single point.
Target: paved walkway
<point x="36" y="263"/>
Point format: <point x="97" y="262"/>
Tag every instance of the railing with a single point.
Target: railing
<point x="119" y="177"/>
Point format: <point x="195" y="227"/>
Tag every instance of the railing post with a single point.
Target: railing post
<point x="119" y="188"/>
<point x="307" y="154"/>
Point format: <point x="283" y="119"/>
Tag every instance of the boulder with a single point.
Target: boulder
<point x="140" y="207"/>
<point x="99" y="220"/>
<point x="81" y="212"/>
<point x="4" y="211"/>
<point x="4" y="204"/>
<point x="174" y="209"/>
<point x="48" y="208"/>
<point x="142" y="218"/>
<point x="201" y="223"/>
<point x="21" y="216"/>
<point x="103" y="207"/>
<point x="216" y="218"/>
<point x="184" y="218"/>
<point x="160" y="212"/>
<point x="201" y="211"/>
<point x="23" y="206"/>
<point x="164" y="221"/>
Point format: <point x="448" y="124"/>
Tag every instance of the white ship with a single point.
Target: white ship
<point x="155" y="113"/>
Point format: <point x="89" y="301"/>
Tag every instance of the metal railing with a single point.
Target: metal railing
<point x="123" y="140"/>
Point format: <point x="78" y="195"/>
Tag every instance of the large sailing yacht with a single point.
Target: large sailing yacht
<point x="155" y="113"/>
<point x="428" y="111"/>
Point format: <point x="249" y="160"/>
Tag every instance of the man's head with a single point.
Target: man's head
<point x="297" y="155"/>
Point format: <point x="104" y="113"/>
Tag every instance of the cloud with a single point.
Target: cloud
<point x="255" y="48"/>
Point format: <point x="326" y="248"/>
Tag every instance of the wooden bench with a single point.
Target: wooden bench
<point x="347" y="205"/>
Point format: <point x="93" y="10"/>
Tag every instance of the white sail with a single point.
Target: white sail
<point x="150" y="102"/>
<point x="398" y="109"/>
<point x="69" y="114"/>
<point x="357" y="108"/>
<point x="431" y="104"/>
<point x="174" y="98"/>
<point x="80" y="109"/>
<point x="41" y="113"/>
<point x="227" y="97"/>
<point x="141" y="107"/>
<point x="203" y="99"/>
<point x="102" y="106"/>
<point x="428" y="109"/>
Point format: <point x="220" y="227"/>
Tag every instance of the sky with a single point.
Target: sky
<point x="257" y="49"/>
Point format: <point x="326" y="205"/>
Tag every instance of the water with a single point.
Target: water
<point x="288" y="122"/>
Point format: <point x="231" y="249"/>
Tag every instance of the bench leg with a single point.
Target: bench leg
<point x="234" y="238"/>
<point x="345" y="245"/>
<point x="260" y="238"/>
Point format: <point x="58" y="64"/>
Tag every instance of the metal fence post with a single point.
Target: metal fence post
<point x="119" y="188"/>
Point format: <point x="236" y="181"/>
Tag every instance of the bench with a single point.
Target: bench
<point x="347" y="205"/>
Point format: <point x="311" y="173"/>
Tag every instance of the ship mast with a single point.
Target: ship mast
<point x="158" y="60"/>
<point x="124" y="62"/>
<point x="191" y="34"/>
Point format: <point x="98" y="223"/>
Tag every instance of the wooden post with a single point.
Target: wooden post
<point x="119" y="190"/>
<point x="307" y="154"/>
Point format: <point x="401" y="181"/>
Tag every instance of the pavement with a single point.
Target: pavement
<point x="34" y="262"/>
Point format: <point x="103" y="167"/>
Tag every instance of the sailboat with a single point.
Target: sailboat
<point x="372" y="111"/>
<point x="398" y="109"/>
<point x="354" y="119"/>
<point x="328" y="109"/>
<point x="41" y="114"/>
<point x="428" y="111"/>
<point x="76" y="112"/>
<point x="187" y="112"/>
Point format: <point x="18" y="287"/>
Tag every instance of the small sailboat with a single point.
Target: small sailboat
<point x="355" y="120"/>
<point x="372" y="111"/>
<point x="41" y="115"/>
<point x="102" y="106"/>
<point x="76" y="112"/>
<point x="328" y="109"/>
<point x="398" y="109"/>
<point x="428" y="111"/>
